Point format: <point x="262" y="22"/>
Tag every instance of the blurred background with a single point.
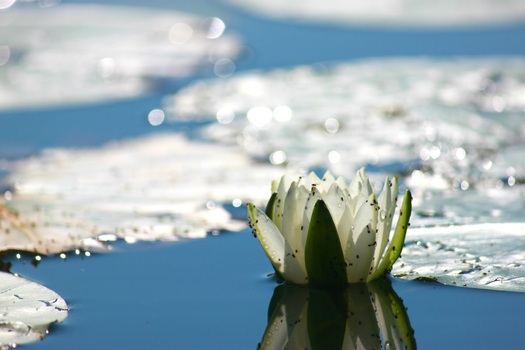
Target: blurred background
<point x="430" y="91"/>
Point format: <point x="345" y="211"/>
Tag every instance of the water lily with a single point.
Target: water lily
<point x="321" y="231"/>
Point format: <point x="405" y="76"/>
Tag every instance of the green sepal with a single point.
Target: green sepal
<point x="270" y="207"/>
<point x="324" y="259"/>
<point x="326" y="317"/>
<point x="393" y="251"/>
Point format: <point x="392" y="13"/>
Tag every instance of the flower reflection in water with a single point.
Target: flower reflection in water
<point x="361" y="316"/>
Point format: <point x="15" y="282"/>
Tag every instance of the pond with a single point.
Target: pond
<point x="215" y="292"/>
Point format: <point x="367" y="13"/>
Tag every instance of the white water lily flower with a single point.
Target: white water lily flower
<point x="321" y="231"/>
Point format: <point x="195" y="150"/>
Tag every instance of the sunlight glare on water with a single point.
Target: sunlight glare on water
<point x="282" y="114"/>
<point x="260" y="117"/>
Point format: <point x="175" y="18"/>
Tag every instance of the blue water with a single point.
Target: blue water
<point x="213" y="293"/>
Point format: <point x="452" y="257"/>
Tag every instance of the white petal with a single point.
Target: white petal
<point x="312" y="179"/>
<point x="359" y="189"/>
<point x="342" y="183"/>
<point x="359" y="250"/>
<point x="326" y="182"/>
<point x="284" y="185"/>
<point x="365" y="193"/>
<point x="312" y="198"/>
<point x="293" y="220"/>
<point x="293" y="271"/>
<point x="383" y="220"/>
<point x="354" y="199"/>
<point x="354" y="187"/>
<point x="336" y="202"/>
<point x="340" y="209"/>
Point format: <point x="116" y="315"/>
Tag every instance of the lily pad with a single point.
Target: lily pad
<point x="487" y="256"/>
<point x="27" y="309"/>
<point x="160" y="187"/>
<point x="450" y="119"/>
<point x="97" y="52"/>
<point x="398" y="14"/>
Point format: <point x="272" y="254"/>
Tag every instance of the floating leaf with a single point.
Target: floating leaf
<point x="27" y="309"/>
<point x="150" y="188"/>
<point x="98" y="52"/>
<point x="488" y="256"/>
<point x="375" y="13"/>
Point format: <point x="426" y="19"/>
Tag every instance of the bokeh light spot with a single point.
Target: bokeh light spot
<point x="424" y="154"/>
<point x="282" y="114"/>
<point x="498" y="103"/>
<point x="260" y="116"/>
<point x="6" y="3"/>
<point x="334" y="157"/>
<point x="435" y="152"/>
<point x="460" y="153"/>
<point x="215" y="27"/>
<point x="225" y="115"/>
<point x="331" y="125"/>
<point x="277" y="157"/>
<point x="106" y="67"/>
<point x="156" y="117"/>
<point x="224" y="67"/>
